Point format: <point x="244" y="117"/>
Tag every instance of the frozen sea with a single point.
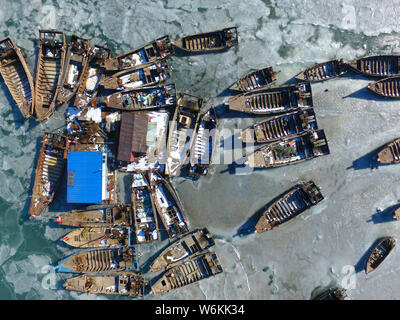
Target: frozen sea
<point x="325" y="245"/>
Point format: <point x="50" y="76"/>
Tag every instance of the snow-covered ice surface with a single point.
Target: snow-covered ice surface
<point x="314" y="250"/>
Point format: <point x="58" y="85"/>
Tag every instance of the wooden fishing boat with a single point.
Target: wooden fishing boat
<point x="50" y="65"/>
<point x="100" y="260"/>
<point x="120" y="215"/>
<point x="168" y="205"/>
<point x="155" y="50"/>
<point x="273" y="100"/>
<point x="190" y="270"/>
<point x="204" y="144"/>
<point x="305" y="146"/>
<point x="181" y="132"/>
<point x="149" y="74"/>
<point x="146" y="224"/>
<point x="211" y="41"/>
<point x="49" y="170"/>
<point x="17" y="77"/>
<point x="75" y="65"/>
<point x="390" y="153"/>
<point x="255" y="80"/>
<point x="282" y="126"/>
<point x="142" y="99"/>
<point x="388" y="87"/>
<point x="188" y="245"/>
<point x="289" y="205"/>
<point x="332" y="294"/>
<point x="92" y="74"/>
<point x="379" y="253"/>
<point x="380" y="66"/>
<point x="396" y="213"/>
<point x="124" y="283"/>
<point x="98" y="237"/>
<point x="323" y="71"/>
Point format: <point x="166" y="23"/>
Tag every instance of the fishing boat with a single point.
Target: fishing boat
<point x="98" y="237"/>
<point x="390" y="153"/>
<point x="168" y="205"/>
<point x="332" y="294"/>
<point x="381" y="66"/>
<point x="155" y="50"/>
<point x="255" y="80"/>
<point x="146" y="224"/>
<point x="187" y="245"/>
<point x="323" y="71"/>
<point x="182" y="131"/>
<point x="100" y="260"/>
<point x="49" y="170"/>
<point x="119" y="215"/>
<point x="289" y="205"/>
<point x="76" y="60"/>
<point x="380" y="251"/>
<point x="281" y="126"/>
<point x="124" y="283"/>
<point x="17" y="77"/>
<point x="190" y="270"/>
<point x="142" y="99"/>
<point x="211" y="41"/>
<point x="50" y="65"/>
<point x="396" y="213"/>
<point x="388" y="87"/>
<point x="273" y="100"/>
<point x="149" y="74"/>
<point x="305" y="146"/>
<point x="204" y="144"/>
<point x="92" y="74"/>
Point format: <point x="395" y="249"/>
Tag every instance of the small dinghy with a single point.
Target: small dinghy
<point x="323" y="71"/>
<point x="390" y="153"/>
<point x="273" y="100"/>
<point x="155" y="50"/>
<point x="388" y="87"/>
<point x="123" y="283"/>
<point x="332" y="294"/>
<point x="255" y="80"/>
<point x="50" y="65"/>
<point x="281" y="126"/>
<point x="305" y="146"/>
<point x="379" y="253"/>
<point x="211" y="41"/>
<point x="381" y="66"/>
<point x="289" y="205"/>
<point x="17" y="77"/>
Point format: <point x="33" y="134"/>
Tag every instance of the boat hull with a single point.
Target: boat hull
<point x="323" y="71"/>
<point x="381" y="66"/>
<point x="379" y="253"/>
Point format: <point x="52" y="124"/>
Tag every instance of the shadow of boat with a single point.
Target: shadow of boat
<point x="384" y="216"/>
<point x="368" y="161"/>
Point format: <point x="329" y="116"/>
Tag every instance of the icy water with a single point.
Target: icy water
<point x="323" y="246"/>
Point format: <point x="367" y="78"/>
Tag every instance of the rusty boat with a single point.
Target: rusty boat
<point x="50" y="65"/>
<point x="380" y="66"/>
<point x="187" y="245"/>
<point x="155" y="50"/>
<point x="281" y="126"/>
<point x="323" y="71"/>
<point x="190" y="270"/>
<point x="119" y="215"/>
<point x="17" y="77"/>
<point x="379" y="253"/>
<point x="204" y="145"/>
<point x="211" y="41"/>
<point x="390" y="153"/>
<point x="255" y="80"/>
<point x="305" y="146"/>
<point x="100" y="260"/>
<point x="144" y="210"/>
<point x="168" y="205"/>
<point x="123" y="283"/>
<point x="388" y="87"/>
<point x="49" y="171"/>
<point x="289" y="205"/>
<point x="75" y="65"/>
<point x="182" y="131"/>
<point x="273" y="99"/>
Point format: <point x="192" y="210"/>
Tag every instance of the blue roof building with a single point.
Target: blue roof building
<point x="87" y="177"/>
